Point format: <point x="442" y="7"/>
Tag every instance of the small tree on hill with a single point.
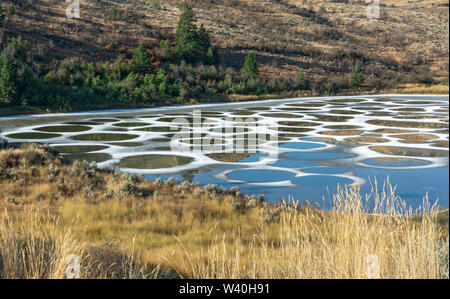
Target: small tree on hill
<point x="302" y="82"/>
<point x="186" y="37"/>
<point x="250" y="69"/>
<point x="12" y="10"/>
<point x="8" y="79"/>
<point x="2" y="16"/>
<point x="141" y="60"/>
<point x="204" y="41"/>
<point x="356" y="78"/>
<point x="212" y="56"/>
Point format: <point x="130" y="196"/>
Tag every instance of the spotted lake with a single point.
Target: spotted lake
<point x="301" y="148"/>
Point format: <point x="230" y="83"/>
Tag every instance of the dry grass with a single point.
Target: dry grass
<point x="321" y="37"/>
<point x="421" y="89"/>
<point x="124" y="227"/>
<point x="338" y="244"/>
<point x="35" y="248"/>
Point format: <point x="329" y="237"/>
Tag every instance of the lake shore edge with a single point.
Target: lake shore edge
<point x="236" y="98"/>
<point x="261" y="99"/>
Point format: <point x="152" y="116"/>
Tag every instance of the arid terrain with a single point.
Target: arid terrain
<point x="324" y="38"/>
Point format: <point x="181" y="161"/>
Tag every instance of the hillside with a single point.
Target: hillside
<point x="324" y="38"/>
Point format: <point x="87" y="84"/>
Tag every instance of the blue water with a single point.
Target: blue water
<point x="318" y="155"/>
<point x="295" y="163"/>
<point x="261" y="176"/>
<point x="301" y="145"/>
<point x="412" y="184"/>
<point x="327" y="170"/>
<point x="307" y="169"/>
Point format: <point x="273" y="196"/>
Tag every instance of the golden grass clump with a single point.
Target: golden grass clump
<point x="35" y="248"/>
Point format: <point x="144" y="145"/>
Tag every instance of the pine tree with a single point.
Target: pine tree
<point x="250" y="69"/>
<point x="356" y="78"/>
<point x="204" y="41"/>
<point x="8" y="79"/>
<point x="141" y="60"/>
<point x="11" y="8"/>
<point x="186" y="37"/>
<point x="2" y="16"/>
<point x="302" y="82"/>
<point x="212" y="56"/>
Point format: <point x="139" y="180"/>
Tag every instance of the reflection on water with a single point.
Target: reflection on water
<point x="321" y="142"/>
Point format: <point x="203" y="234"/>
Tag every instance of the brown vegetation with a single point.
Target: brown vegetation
<point x="409" y="43"/>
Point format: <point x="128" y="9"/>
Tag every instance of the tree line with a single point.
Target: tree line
<point x="187" y="67"/>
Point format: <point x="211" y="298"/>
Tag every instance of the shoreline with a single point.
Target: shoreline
<point x="145" y="108"/>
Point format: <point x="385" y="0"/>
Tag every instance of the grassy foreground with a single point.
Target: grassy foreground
<point x="121" y="226"/>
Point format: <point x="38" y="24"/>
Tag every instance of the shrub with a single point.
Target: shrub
<point x="156" y="5"/>
<point x="335" y="84"/>
<point x="212" y="56"/>
<point x="113" y="12"/>
<point x="356" y="78"/>
<point x="11" y="9"/>
<point x="302" y="82"/>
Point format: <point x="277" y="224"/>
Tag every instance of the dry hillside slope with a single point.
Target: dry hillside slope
<point x="322" y="37"/>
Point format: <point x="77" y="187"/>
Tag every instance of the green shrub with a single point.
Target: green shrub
<point x="12" y="10"/>
<point x="356" y="78"/>
<point x="302" y="82"/>
<point x="113" y="12"/>
<point x="156" y="5"/>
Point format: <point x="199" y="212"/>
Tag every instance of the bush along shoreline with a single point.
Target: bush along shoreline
<point x="118" y="225"/>
<point x="185" y="70"/>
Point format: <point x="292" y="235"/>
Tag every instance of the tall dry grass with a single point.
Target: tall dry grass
<point x="33" y="246"/>
<point x="352" y="241"/>
<point x="122" y="226"/>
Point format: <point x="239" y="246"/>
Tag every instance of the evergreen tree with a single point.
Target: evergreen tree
<point x="186" y="37"/>
<point x="204" y="42"/>
<point x="356" y="78"/>
<point x="141" y="60"/>
<point x="2" y="16"/>
<point x="302" y="82"/>
<point x="11" y="8"/>
<point x="250" y="69"/>
<point x="8" y="79"/>
<point x="212" y="56"/>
